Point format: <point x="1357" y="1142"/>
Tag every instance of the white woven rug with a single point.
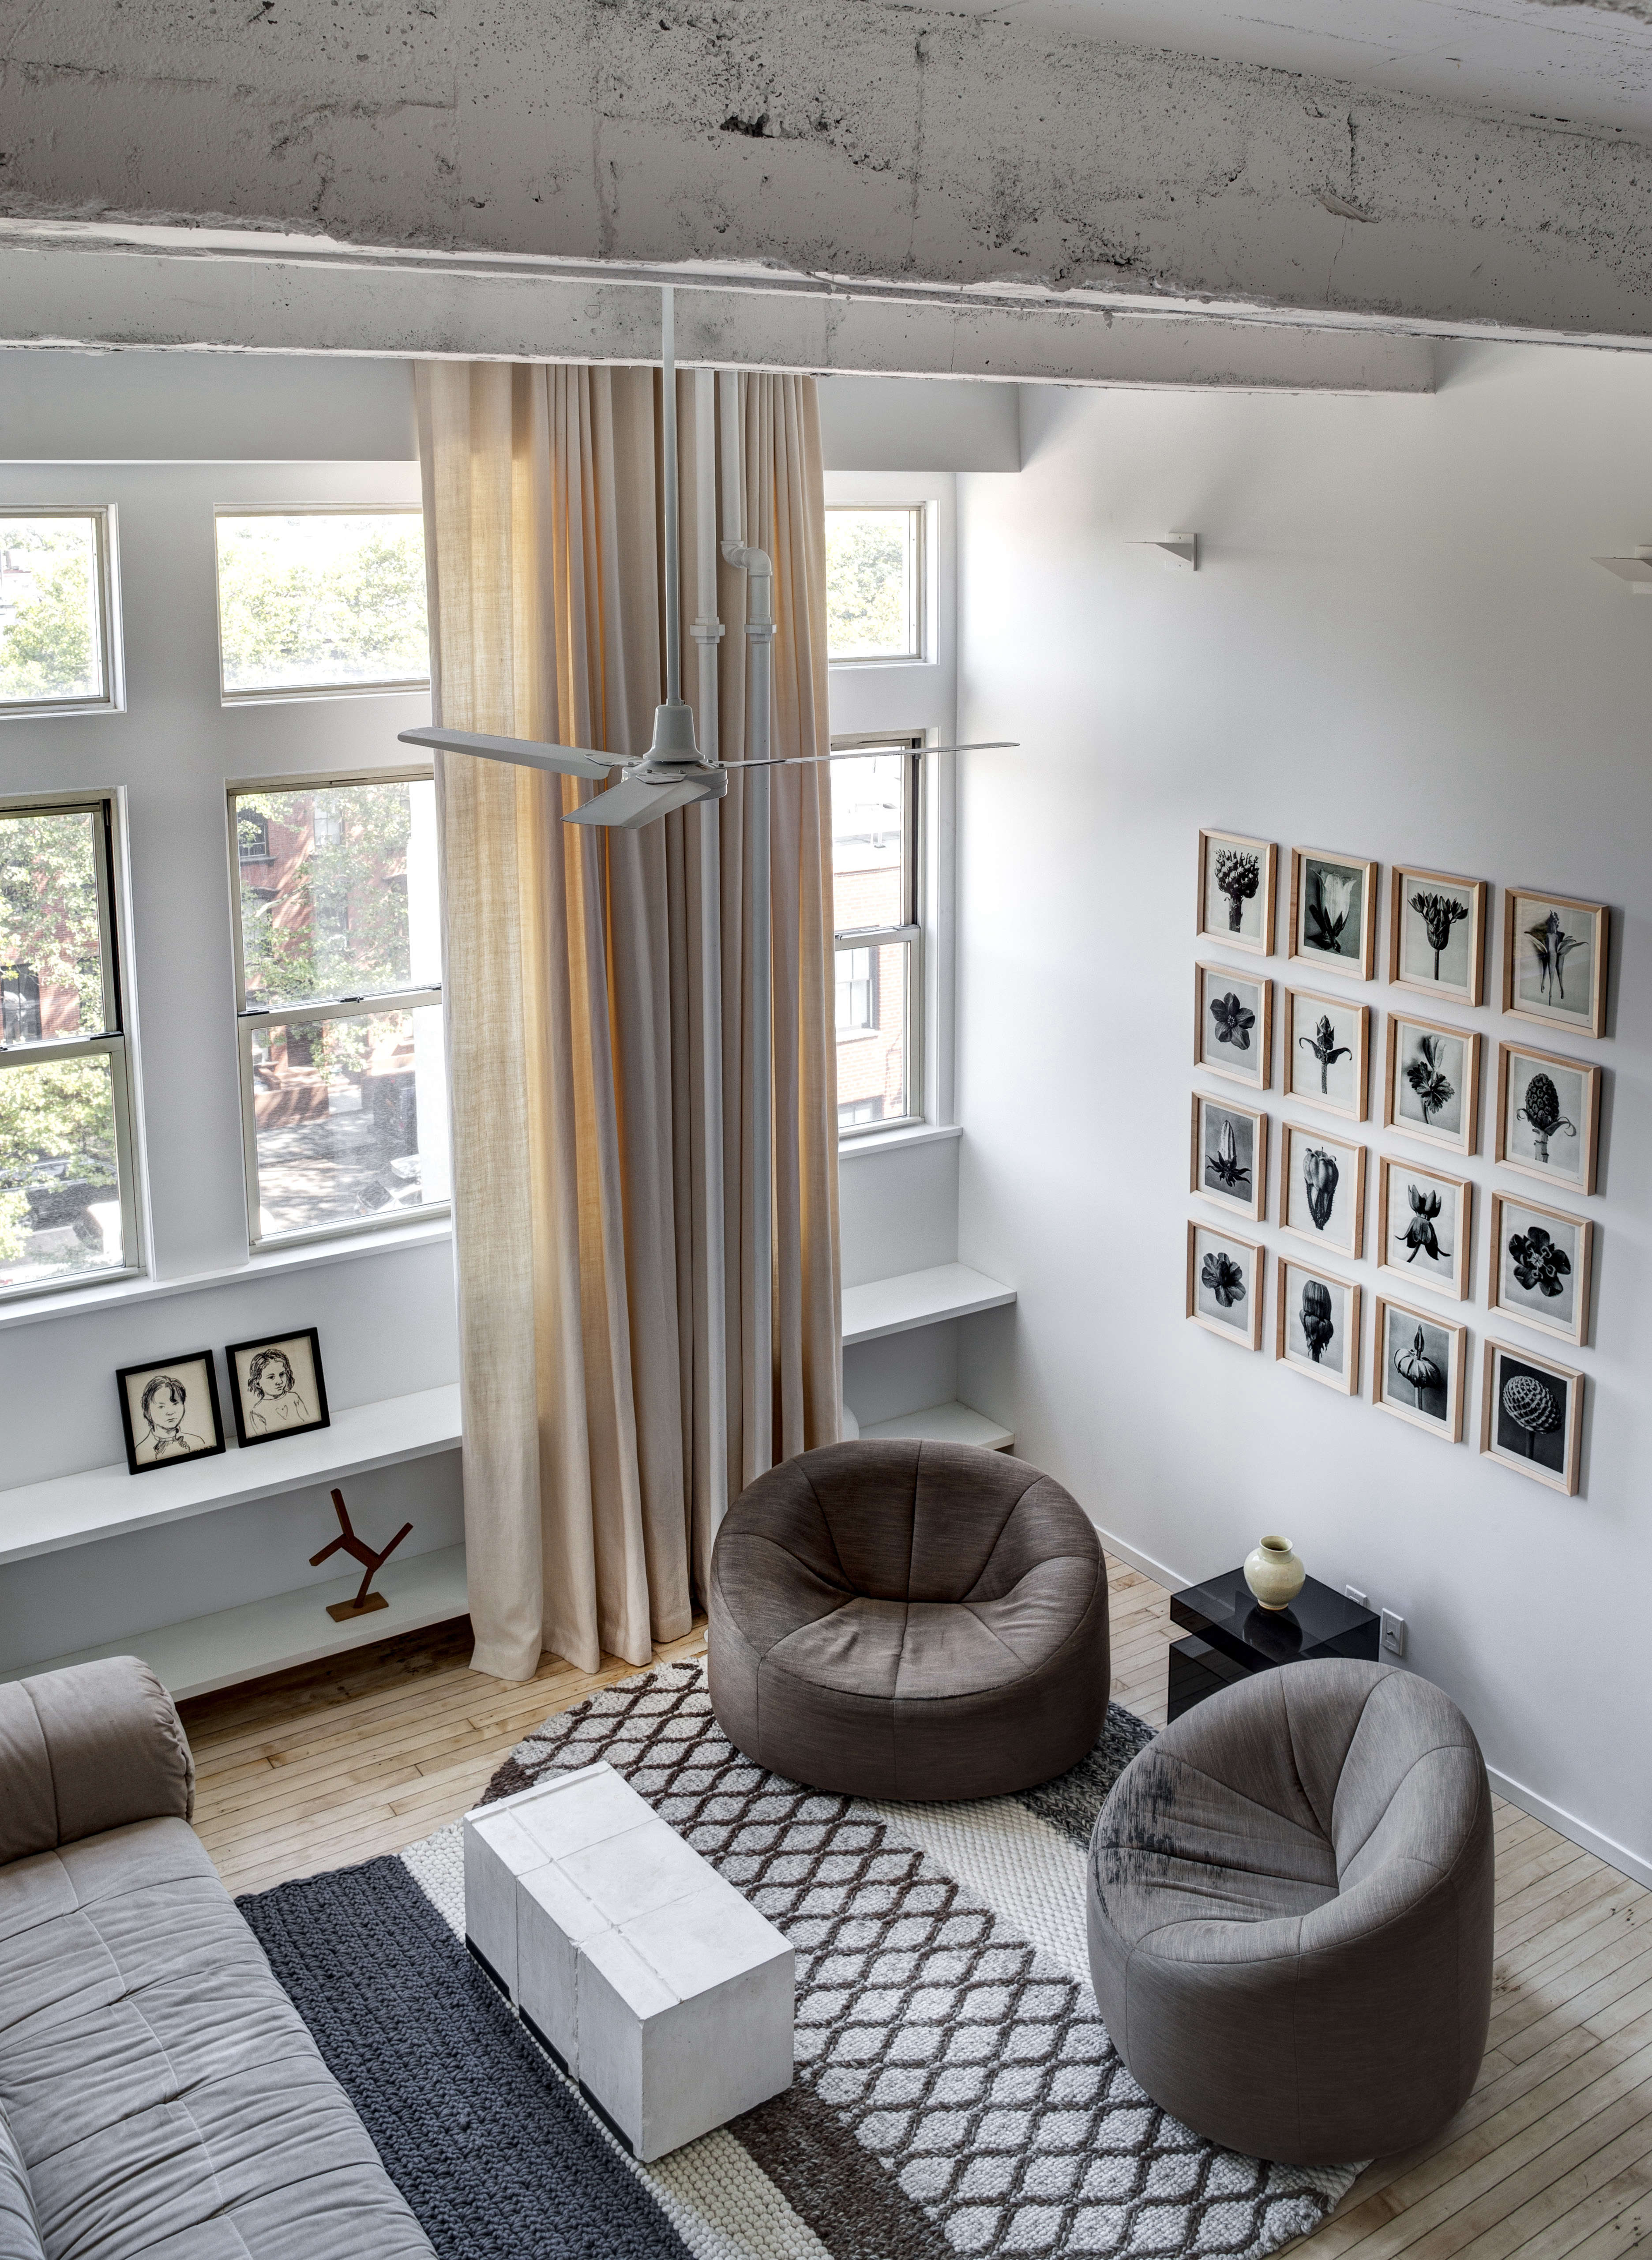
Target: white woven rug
<point x="956" y="2093"/>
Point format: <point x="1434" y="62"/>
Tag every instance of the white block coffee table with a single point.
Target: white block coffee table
<point x="651" y="1980"/>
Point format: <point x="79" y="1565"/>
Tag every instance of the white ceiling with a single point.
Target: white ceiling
<point x="1584" y="61"/>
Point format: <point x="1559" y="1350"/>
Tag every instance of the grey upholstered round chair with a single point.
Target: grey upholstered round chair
<point x="1291" y="1913"/>
<point x="909" y="1620"/>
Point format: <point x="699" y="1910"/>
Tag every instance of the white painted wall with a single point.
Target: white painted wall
<point x="199" y="407"/>
<point x="1396" y="643"/>
<point x="385" y="1314"/>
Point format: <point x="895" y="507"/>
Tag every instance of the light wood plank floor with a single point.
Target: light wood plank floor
<point x="1552" y="2155"/>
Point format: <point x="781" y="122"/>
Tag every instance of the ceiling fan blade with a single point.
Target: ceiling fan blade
<point x="863" y="753"/>
<point x="524" y="752"/>
<point x="633" y="802"/>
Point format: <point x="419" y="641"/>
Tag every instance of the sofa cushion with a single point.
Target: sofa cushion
<point x="165" y="2096"/>
<point x="19" y="2231"/>
<point x="86" y="1749"/>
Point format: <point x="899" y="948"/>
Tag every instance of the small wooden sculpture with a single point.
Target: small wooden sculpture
<point x="358" y="1549"/>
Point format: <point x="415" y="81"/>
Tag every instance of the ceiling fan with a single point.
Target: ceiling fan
<point x="673" y="773"/>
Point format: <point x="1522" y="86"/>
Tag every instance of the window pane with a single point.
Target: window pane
<point x="872" y="584"/>
<point x="50" y="647"/>
<point x="872" y="1033"/>
<point x="322" y="600"/>
<point x="338" y="889"/>
<point x="869" y="863"/>
<point x="60" y="1195"/>
<point x="51" y="960"/>
<point x="350" y="1120"/>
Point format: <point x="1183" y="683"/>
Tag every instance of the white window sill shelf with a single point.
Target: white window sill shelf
<point x="919" y="1298"/>
<point x="887" y="1141"/>
<point x="114" y="1294"/>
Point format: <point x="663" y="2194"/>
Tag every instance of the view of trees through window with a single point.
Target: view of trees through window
<point x="51" y="649"/>
<point x="59" y="1188"/>
<point x="874" y="583"/>
<point x="319" y="600"/>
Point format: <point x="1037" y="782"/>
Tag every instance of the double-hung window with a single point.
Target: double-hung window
<point x="876" y="799"/>
<point x="344" y="1098"/>
<point x="67" y="1201"/>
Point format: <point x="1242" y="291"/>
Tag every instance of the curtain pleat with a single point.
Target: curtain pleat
<point x="583" y="1210"/>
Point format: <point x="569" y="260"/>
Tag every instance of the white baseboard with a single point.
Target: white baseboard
<point x="1160" y="1572"/>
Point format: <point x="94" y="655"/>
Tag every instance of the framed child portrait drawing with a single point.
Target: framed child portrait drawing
<point x="276" y="1386"/>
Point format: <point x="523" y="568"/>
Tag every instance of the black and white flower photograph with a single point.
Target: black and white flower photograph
<point x="1437" y="935"/>
<point x="1233" y="1033"/>
<point x="1230" y="1155"/>
<point x="1431" y="1083"/>
<point x="1554" y="960"/>
<point x="1225" y="1285"/>
<point x="1548" y="1111"/>
<point x="1541" y="1259"/>
<point x="1328" y="1041"/>
<point x="1317" y="1326"/>
<point x="1417" y="1369"/>
<point x="1334" y="912"/>
<point x="1237" y="876"/>
<point x="1426" y="1220"/>
<point x="169" y="1411"/>
<point x="1531" y="1417"/>
<point x="1322" y="1190"/>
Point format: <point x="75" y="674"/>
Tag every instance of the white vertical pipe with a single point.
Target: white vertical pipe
<point x="669" y="421"/>
<point x="710" y="1349"/>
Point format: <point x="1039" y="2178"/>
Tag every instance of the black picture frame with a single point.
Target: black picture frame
<point x="282" y="1342"/>
<point x="156" y="1369"/>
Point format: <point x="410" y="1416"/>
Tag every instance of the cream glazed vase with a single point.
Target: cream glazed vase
<point x="1274" y="1574"/>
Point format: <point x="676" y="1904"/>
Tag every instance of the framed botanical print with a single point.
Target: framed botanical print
<point x="1230" y="1155"/>
<point x="1425" y="1220"/>
<point x="1334" y="912"/>
<point x="1232" y="1024"/>
<point x="1322" y="1190"/>
<point x="1532" y="1416"/>
<point x="1225" y="1285"/>
<point x="1417" y="1368"/>
<point x="1554" y="960"/>
<point x="1431" y="1083"/>
<point x="1236" y="881"/>
<point x="169" y="1410"/>
<point x="1317" y="1324"/>
<point x="1547" y="1117"/>
<point x="1436" y="935"/>
<point x="1542" y="1259"/>
<point x="1328" y="1043"/>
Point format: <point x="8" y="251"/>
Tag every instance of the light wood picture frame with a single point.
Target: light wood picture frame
<point x="1436" y="935"/>
<point x="1322" y="1033"/>
<point x="1547" y="1117"/>
<point x="1322" y="1190"/>
<point x="1542" y="1267"/>
<point x="1417" y="1367"/>
<point x="1226" y="1281"/>
<point x="1317" y="1333"/>
<point x="1532" y="1416"/>
<point x="1555" y="952"/>
<point x="1232" y="1024"/>
<point x="1228" y="1162"/>
<point x="1237" y="881"/>
<point x="1431" y="1083"/>
<point x="1333" y="912"/>
<point x="1425" y="1223"/>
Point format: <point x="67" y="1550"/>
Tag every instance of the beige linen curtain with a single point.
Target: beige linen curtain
<point x="584" y="1196"/>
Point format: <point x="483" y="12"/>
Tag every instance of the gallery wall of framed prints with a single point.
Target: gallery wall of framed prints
<point x="1357" y="1048"/>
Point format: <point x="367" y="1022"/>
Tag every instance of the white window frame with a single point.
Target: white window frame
<point x="274" y="696"/>
<point x="112" y="697"/>
<point x="913" y="863"/>
<point x="115" y="1044"/>
<point x="923" y="546"/>
<point x="249" y="1017"/>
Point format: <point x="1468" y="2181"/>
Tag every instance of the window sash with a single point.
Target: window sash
<point x="916" y="516"/>
<point x="910" y="744"/>
<point x="266" y="694"/>
<point x="107" y="699"/>
<point x="875" y="937"/>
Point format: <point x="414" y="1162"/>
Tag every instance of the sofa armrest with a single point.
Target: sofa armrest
<point x="88" y="1748"/>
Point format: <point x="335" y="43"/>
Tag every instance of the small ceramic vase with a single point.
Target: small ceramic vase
<point x="1274" y="1574"/>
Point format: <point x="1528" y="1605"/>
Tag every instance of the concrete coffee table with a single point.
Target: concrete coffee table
<point x="651" y="1981"/>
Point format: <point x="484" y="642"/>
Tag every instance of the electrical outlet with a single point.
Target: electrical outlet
<point x="1356" y="1596"/>
<point x="1393" y="1634"/>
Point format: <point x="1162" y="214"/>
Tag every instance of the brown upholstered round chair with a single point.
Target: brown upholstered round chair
<point x="909" y="1619"/>
<point x="1291" y="1913"/>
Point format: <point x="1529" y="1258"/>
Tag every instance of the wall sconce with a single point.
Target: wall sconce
<point x="1179" y="552"/>
<point x="1636" y="570"/>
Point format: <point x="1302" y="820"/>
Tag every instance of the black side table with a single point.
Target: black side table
<point x="1231" y="1637"/>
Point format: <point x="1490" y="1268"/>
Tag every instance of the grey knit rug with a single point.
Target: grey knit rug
<point x="956" y="2093"/>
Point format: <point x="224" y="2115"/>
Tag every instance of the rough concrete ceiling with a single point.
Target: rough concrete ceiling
<point x="1585" y="61"/>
